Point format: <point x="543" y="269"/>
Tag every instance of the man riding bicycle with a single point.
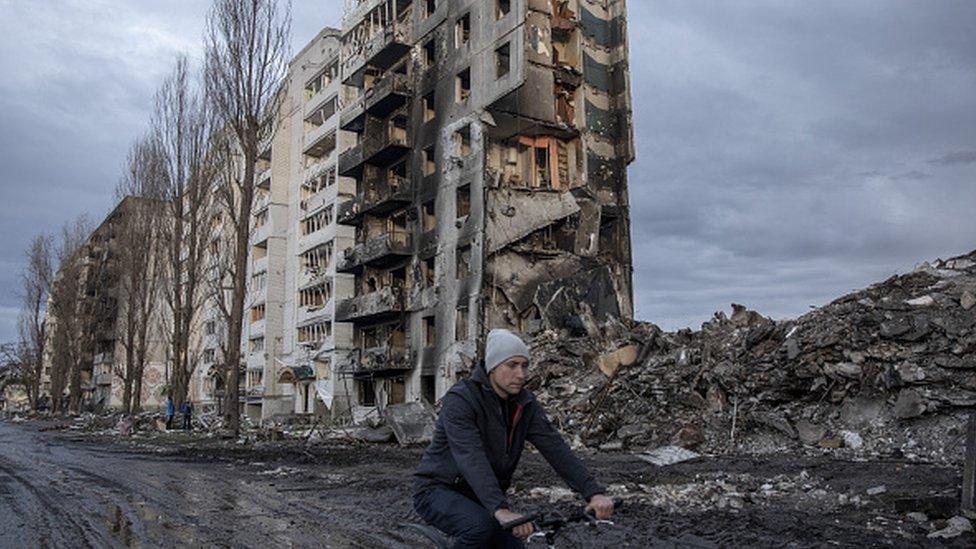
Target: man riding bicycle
<point x="481" y="431"/>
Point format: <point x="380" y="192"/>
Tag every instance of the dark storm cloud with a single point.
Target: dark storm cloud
<point x="783" y="149"/>
<point x="788" y="152"/>
<point x="959" y="157"/>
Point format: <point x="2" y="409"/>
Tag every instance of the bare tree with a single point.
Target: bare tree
<point x="70" y="313"/>
<point x="36" y="286"/>
<point x="182" y="124"/>
<point x="139" y="253"/>
<point x="246" y="61"/>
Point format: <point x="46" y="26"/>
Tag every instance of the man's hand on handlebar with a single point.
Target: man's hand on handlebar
<point x="522" y="531"/>
<point x="600" y="506"/>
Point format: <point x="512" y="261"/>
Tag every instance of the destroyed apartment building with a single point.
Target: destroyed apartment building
<point x="491" y="144"/>
<point x="86" y="354"/>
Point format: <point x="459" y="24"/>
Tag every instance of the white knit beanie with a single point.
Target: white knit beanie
<point x="501" y="346"/>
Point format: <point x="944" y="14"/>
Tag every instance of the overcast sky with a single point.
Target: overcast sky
<point x="787" y="152"/>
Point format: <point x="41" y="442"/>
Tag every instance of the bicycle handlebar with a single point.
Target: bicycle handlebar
<point x="577" y="517"/>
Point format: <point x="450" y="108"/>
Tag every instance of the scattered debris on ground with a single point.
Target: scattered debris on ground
<point x="887" y="371"/>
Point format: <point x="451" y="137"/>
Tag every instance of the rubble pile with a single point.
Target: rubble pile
<point x="888" y="370"/>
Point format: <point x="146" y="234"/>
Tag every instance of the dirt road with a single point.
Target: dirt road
<point x="64" y="489"/>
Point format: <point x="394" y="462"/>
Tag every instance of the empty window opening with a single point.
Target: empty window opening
<point x="429" y="216"/>
<point x="430" y="331"/>
<point x="462" y="140"/>
<point x="462" y="31"/>
<point x="502" y="7"/>
<point x="429" y="54"/>
<point x="427" y="268"/>
<point x="461" y="323"/>
<point x="503" y="60"/>
<point x="258" y="312"/>
<point x="430" y="6"/>
<point x="398" y="129"/>
<point x="463" y="262"/>
<point x="428" y="388"/>
<point x="463" y="201"/>
<point x="316" y="296"/>
<point x="462" y="86"/>
<point x="317" y="221"/>
<point x="316" y="261"/>
<point x="429" y="107"/>
<point x="256" y="345"/>
<point x="366" y="391"/>
<point x="315" y="334"/>
<point x="430" y="161"/>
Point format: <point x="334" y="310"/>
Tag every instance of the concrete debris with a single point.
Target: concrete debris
<point x="889" y="370"/>
<point x="668" y="455"/>
<point x="412" y="423"/>
<point x="956" y="527"/>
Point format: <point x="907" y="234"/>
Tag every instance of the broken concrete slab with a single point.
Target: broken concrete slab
<point x="956" y="527"/>
<point x="910" y="404"/>
<point x="968" y="300"/>
<point x="412" y="423"/>
<point x="519" y="213"/>
<point x="667" y="455"/>
<point x="610" y="362"/>
<point x="810" y="433"/>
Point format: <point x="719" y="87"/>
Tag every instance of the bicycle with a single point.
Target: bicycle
<point x="546" y="526"/>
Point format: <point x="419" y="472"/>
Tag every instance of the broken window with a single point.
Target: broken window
<point x="365" y="389"/>
<point x="427" y="268"/>
<point x="317" y="221"/>
<point x="428" y="215"/>
<point x="258" y="312"/>
<point x="315" y="297"/>
<point x="398" y="129"/>
<point x="256" y="345"/>
<point x="429" y="7"/>
<point x="316" y="261"/>
<point x="430" y="331"/>
<point x="317" y="184"/>
<point x="461" y="323"/>
<point x="428" y="388"/>
<point x="209" y="356"/>
<point x="429" y="107"/>
<point x="462" y="141"/>
<point x="210" y="328"/>
<point x="430" y="161"/>
<point x="315" y="334"/>
<point x="462" y="86"/>
<point x="429" y="54"/>
<point x="464" y="201"/>
<point x="462" y="31"/>
<point x="502" y="7"/>
<point x="398" y="391"/>
<point x="259" y="281"/>
<point x="463" y="262"/>
<point x="503" y="60"/>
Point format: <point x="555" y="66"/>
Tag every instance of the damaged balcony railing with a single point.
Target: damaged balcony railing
<point x="373" y="306"/>
<point x="379" y="39"/>
<point x="376" y="252"/>
<point x="394" y="357"/>
<point x="381" y="198"/>
<point x="382" y="142"/>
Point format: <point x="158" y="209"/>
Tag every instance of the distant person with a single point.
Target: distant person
<point x="481" y="431"/>
<point x="170" y="412"/>
<point x="187" y="410"/>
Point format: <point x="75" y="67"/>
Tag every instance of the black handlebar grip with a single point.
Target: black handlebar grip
<point x="519" y="522"/>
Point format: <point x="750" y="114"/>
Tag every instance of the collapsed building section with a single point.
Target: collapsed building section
<point x="490" y="141"/>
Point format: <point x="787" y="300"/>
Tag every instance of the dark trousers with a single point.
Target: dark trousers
<point x="462" y="518"/>
<point x="169" y="422"/>
<point x="186" y="421"/>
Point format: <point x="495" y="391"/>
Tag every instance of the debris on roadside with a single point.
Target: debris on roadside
<point x="885" y="371"/>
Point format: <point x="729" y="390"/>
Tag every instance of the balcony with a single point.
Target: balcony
<point x="103" y="378"/>
<point x="379" y="252"/>
<point x="382" y="142"/>
<point x="371" y="307"/>
<point x="381" y="50"/>
<point x="389" y="94"/>
<point x="379" y="200"/>
<point x="254" y="395"/>
<point x="376" y="359"/>
<point x="104" y="358"/>
<point x="320" y="141"/>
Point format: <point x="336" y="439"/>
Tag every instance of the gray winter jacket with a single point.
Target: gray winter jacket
<point x="473" y="452"/>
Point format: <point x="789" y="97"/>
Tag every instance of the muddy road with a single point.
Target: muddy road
<point x="65" y="489"/>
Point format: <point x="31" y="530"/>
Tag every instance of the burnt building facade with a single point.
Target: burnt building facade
<point x="488" y="141"/>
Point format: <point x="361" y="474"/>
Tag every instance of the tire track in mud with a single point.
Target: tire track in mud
<point x="65" y="527"/>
